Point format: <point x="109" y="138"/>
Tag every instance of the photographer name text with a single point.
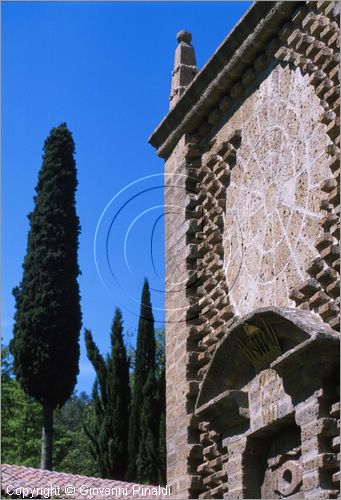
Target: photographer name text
<point x="70" y="490"/>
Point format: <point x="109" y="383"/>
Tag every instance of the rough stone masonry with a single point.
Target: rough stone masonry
<point x="251" y="148"/>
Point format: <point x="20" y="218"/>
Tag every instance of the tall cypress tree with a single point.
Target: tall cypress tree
<point x="162" y="427"/>
<point x="111" y="396"/>
<point x="148" y="460"/>
<point x="161" y="402"/>
<point x="48" y="316"/>
<point x="142" y="421"/>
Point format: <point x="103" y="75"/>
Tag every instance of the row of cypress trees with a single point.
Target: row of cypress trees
<point x="48" y="319"/>
<point x="127" y="435"/>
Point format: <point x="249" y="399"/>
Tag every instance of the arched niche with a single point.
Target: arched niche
<point x="267" y="342"/>
<point x="272" y="377"/>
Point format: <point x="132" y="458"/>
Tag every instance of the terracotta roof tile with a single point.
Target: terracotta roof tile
<point x="27" y="482"/>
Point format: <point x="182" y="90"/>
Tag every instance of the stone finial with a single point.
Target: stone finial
<point x="185" y="66"/>
<point x="184" y="36"/>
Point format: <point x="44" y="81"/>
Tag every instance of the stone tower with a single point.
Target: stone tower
<point x="251" y="148"/>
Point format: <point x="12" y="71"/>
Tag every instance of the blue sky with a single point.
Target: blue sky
<point x="105" y="69"/>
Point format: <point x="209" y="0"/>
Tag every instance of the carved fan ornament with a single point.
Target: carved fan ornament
<point x="260" y="345"/>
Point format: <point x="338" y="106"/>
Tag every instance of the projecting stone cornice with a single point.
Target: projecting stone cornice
<point x="237" y="52"/>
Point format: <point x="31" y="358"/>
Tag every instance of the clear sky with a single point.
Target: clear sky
<point x="105" y="69"/>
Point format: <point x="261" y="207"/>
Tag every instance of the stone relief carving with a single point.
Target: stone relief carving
<point x="273" y="197"/>
<point x="255" y="411"/>
<point x="260" y="345"/>
<point x="268" y="399"/>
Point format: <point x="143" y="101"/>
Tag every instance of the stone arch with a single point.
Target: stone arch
<point x="254" y="343"/>
<point x="268" y="393"/>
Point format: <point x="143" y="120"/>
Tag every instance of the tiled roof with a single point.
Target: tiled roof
<point x="26" y="482"/>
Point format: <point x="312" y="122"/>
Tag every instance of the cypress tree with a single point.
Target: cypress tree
<point x="161" y="404"/>
<point x="147" y="460"/>
<point x="142" y="414"/>
<point x="92" y="428"/>
<point x="162" y="427"/>
<point x="48" y="316"/>
<point x="111" y="395"/>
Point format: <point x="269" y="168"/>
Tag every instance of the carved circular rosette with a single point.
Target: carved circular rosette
<point x="289" y="478"/>
<point x="273" y="201"/>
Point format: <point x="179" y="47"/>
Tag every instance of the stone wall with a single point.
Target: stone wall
<point x="251" y="202"/>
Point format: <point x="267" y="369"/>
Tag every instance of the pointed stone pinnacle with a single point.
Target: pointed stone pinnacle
<point x="185" y="66"/>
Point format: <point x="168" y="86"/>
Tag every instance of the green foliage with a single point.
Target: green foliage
<point x="48" y="316"/>
<point x="21" y="423"/>
<point x="20" y="419"/>
<point x="143" y="424"/>
<point x="108" y="432"/>
<point x="160" y="354"/>
<point x="145" y="346"/>
<point x="6" y="364"/>
<point x="162" y="426"/>
<point x="147" y="460"/>
<point x="71" y="445"/>
<point x="92" y="429"/>
<point x="91" y="434"/>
